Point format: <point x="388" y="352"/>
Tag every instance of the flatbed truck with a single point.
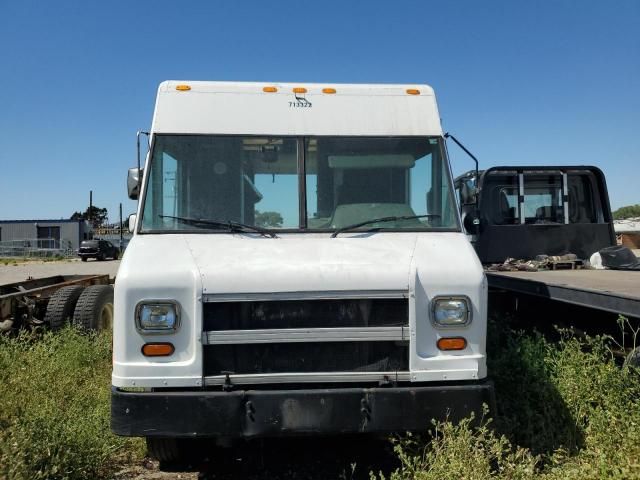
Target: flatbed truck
<point x="523" y="212"/>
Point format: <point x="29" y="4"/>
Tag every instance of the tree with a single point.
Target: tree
<point x="630" y="211"/>
<point x="95" y="215"/>
<point x="268" y="219"/>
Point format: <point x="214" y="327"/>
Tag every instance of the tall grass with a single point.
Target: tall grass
<point x="566" y="410"/>
<point x="54" y="407"/>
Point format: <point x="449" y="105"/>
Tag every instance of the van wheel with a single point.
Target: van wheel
<point x="84" y="259"/>
<point x="164" y="449"/>
<point x="94" y="310"/>
<point x="61" y="306"/>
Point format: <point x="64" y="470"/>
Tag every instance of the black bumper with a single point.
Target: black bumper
<point x="268" y="413"/>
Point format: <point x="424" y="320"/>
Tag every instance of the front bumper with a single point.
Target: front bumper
<point x="268" y="413"/>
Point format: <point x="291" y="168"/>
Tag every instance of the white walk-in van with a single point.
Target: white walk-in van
<point x="297" y="267"/>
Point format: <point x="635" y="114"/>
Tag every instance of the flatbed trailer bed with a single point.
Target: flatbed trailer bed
<point x="614" y="291"/>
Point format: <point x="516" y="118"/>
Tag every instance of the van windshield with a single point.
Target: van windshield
<point x="298" y="184"/>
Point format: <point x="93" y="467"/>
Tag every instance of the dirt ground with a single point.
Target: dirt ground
<point x="17" y="271"/>
<point x="347" y="457"/>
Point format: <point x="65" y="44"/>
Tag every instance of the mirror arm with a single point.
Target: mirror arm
<point x="448" y="135"/>
<point x="138" y="133"/>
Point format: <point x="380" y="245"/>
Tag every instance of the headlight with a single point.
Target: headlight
<point x="157" y="317"/>
<point x="451" y="311"/>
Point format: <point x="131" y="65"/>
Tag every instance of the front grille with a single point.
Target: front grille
<point x="352" y="337"/>
<point x="305" y="314"/>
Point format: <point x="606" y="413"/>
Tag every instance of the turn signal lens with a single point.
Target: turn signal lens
<point x="183" y="88"/>
<point x="452" y="343"/>
<point x="158" y="349"/>
<point x="299" y="90"/>
<point x="270" y="89"/>
<point x="328" y="90"/>
<point x="413" y="91"/>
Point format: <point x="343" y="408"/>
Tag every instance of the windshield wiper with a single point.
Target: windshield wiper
<point x="228" y="224"/>
<point x="380" y="220"/>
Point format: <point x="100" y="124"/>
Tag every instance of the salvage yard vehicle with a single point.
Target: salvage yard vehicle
<point x="298" y="267"/>
<point x="550" y="220"/>
<point x="83" y="300"/>
<point x="521" y="212"/>
<point x="524" y="212"/>
<point x="98" y="249"/>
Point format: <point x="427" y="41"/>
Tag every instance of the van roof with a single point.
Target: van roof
<point x="275" y="108"/>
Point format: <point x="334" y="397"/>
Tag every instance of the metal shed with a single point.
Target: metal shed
<point x="24" y="237"/>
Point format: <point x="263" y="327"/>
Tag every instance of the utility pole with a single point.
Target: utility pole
<point x="121" y="240"/>
<point x="90" y="206"/>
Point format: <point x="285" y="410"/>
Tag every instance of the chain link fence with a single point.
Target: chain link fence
<point x="37" y="248"/>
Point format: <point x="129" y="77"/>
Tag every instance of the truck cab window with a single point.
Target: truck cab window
<point x="543" y="199"/>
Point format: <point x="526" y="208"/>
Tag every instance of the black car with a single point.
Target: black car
<point x="98" y="249"/>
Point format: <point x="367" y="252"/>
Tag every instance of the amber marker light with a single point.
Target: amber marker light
<point x="158" y="349"/>
<point x="299" y="90"/>
<point x="328" y="90"/>
<point x="413" y="91"/>
<point x="270" y="89"/>
<point x="183" y="88"/>
<point x="452" y="343"/>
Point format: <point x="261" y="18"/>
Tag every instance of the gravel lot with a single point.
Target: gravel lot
<point x="15" y="273"/>
<point x="12" y="273"/>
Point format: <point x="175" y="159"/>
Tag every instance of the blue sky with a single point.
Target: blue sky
<point x="518" y="82"/>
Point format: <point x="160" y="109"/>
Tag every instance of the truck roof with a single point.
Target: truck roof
<point x="274" y="108"/>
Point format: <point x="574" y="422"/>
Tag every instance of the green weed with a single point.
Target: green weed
<point x="54" y="420"/>
<point x="566" y="410"/>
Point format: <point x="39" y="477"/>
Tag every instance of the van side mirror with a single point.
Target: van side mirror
<point x="132" y="222"/>
<point x="469" y="192"/>
<point x="134" y="177"/>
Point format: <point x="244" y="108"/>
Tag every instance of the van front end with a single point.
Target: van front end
<point x="299" y="269"/>
<point x="295" y="352"/>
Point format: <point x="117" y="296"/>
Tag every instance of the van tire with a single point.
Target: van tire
<point x="165" y="450"/>
<point x="61" y="306"/>
<point x="94" y="310"/>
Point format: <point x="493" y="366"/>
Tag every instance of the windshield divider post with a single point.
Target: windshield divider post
<point x="302" y="182"/>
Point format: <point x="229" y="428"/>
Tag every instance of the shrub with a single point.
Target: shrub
<point x="461" y="452"/>
<point x="54" y="421"/>
<point x="566" y="410"/>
